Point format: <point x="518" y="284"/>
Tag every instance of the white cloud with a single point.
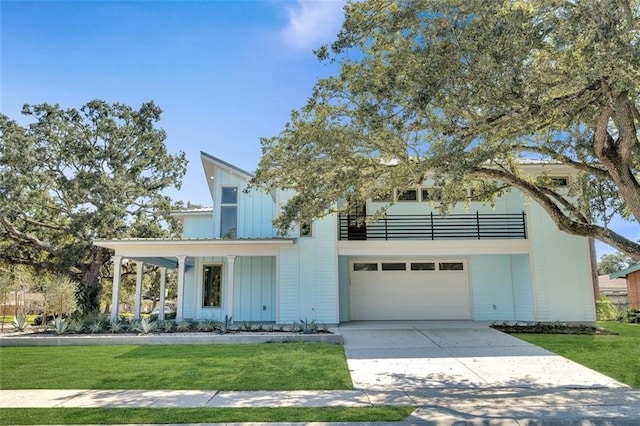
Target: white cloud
<point x="313" y="22"/>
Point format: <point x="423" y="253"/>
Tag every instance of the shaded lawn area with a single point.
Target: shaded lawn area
<point x="266" y="366"/>
<point x="615" y="356"/>
<point x="41" y="416"/>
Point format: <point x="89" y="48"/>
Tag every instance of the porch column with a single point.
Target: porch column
<point x="230" y="262"/>
<point x="137" y="303"/>
<point x="163" y="285"/>
<point x="180" y="301"/>
<point x="115" y="294"/>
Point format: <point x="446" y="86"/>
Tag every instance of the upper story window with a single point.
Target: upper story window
<point x="408" y="195"/>
<point x="306" y="229"/>
<point x="559" y="181"/>
<point x="229" y="212"/>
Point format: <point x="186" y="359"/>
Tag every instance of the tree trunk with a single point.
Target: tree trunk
<point x="90" y="288"/>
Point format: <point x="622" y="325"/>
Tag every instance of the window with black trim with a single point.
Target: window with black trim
<point x="306" y="230"/>
<point x="423" y="266"/>
<point x="212" y="286"/>
<point x="365" y="266"/>
<point x="451" y="266"/>
<point x="394" y="266"/>
<point x="408" y="195"/>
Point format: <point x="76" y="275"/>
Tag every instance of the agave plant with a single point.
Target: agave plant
<point x="206" y="325"/>
<point x="184" y="326"/>
<point x="76" y="326"/>
<point x="20" y="322"/>
<point x="145" y="326"/>
<point x="117" y="327"/>
<point x="96" y="326"/>
<point x="167" y="325"/>
<point x="60" y="325"/>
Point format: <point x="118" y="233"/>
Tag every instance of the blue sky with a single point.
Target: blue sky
<point x="225" y="72"/>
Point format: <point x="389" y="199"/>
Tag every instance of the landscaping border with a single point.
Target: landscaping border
<point x="167" y="339"/>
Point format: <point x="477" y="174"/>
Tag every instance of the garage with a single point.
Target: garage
<point x="409" y="290"/>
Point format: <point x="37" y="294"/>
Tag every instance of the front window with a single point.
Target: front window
<point x="212" y="286"/>
<point x="229" y="212"/>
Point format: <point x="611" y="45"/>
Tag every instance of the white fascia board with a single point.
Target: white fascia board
<point x="432" y="248"/>
<point x="194" y="248"/>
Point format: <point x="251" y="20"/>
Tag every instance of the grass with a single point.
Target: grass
<point x="267" y="366"/>
<point x="41" y="416"/>
<point x="617" y="356"/>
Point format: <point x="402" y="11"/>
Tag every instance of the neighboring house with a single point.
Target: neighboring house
<point x="504" y="263"/>
<point x="614" y="289"/>
<point x="632" y="276"/>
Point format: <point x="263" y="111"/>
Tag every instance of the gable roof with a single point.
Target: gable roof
<point x="234" y="170"/>
<point x="625" y="272"/>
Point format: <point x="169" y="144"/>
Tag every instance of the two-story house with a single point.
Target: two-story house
<point x="506" y="262"/>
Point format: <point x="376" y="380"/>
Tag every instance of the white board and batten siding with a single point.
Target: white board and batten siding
<point x="308" y="277"/>
<point x="256" y="210"/>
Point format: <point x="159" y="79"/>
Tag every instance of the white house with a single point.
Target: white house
<point x="508" y="262"/>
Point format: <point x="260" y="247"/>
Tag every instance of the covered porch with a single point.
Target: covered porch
<point x="181" y="254"/>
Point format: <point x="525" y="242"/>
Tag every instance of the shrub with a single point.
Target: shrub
<point x="633" y="316"/>
<point x="605" y="310"/>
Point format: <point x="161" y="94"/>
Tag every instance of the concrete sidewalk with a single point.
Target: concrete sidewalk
<point x="434" y="406"/>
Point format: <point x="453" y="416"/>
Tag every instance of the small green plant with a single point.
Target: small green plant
<point x="183" y="326"/>
<point x="258" y="327"/>
<point x="96" y="325"/>
<point x="206" y="325"/>
<point x="271" y="328"/>
<point x="117" y="327"/>
<point x="76" y="326"/>
<point x="294" y="327"/>
<point x="245" y="326"/>
<point x="20" y="322"/>
<point x="166" y="326"/>
<point x="145" y="326"/>
<point x="60" y="325"/>
<point x="226" y="325"/>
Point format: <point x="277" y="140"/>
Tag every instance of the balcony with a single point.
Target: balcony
<point x="478" y="226"/>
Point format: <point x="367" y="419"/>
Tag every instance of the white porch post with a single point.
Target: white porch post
<point x="115" y="295"/>
<point x="180" y="301"/>
<point x="137" y="303"/>
<point x="230" y="262"/>
<point x="163" y="285"/>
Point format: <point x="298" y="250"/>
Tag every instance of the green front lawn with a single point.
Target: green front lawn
<point x="41" y="416"/>
<point x="616" y="356"/>
<point x="267" y="366"/>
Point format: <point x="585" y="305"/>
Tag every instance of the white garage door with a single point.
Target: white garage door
<point x="409" y="290"/>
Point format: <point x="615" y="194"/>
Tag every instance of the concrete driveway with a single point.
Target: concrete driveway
<point x="408" y="355"/>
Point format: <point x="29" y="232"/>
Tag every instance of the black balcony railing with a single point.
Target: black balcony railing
<point x="478" y="226"/>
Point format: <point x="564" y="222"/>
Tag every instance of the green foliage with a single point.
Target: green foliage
<point x="72" y="175"/>
<point x="605" y="310"/>
<point x="24" y="416"/>
<point x="145" y="326"/>
<point x="97" y="325"/>
<point x="117" y="327"/>
<point x="612" y="263"/>
<point x="206" y="325"/>
<point x="59" y="294"/>
<point x="268" y="366"/>
<point x="633" y="316"/>
<point x="458" y="92"/>
<point x="20" y="322"/>
<point x="60" y="325"/>
<point x="76" y="326"/>
<point x="183" y="326"/>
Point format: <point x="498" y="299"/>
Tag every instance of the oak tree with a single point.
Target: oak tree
<point x="73" y="175"/>
<point x="463" y="92"/>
